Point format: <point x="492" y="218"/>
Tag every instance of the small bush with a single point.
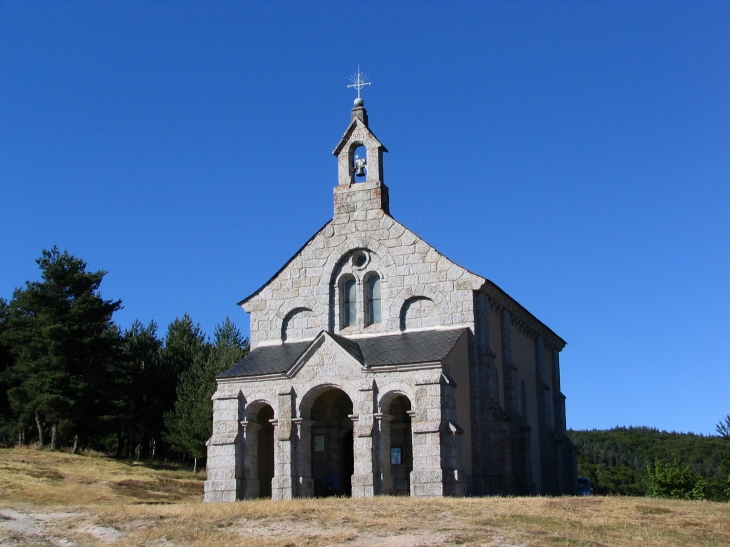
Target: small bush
<point x="672" y="480"/>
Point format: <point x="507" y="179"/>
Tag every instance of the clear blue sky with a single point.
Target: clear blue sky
<point x="575" y="153"/>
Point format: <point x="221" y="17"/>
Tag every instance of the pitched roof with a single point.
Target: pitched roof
<point x="374" y="351"/>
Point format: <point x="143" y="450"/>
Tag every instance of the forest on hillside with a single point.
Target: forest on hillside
<point x="70" y="376"/>
<point x="623" y="460"/>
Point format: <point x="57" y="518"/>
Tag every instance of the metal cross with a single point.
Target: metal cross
<point x="358" y="81"/>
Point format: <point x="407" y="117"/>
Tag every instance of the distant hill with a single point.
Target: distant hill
<point x="615" y="459"/>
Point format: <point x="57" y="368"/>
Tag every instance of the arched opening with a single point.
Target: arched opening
<point x="372" y="299"/>
<point x="332" y="444"/>
<point x="401" y="445"/>
<point x="359" y="163"/>
<point x="348" y="298"/>
<point x="265" y="452"/>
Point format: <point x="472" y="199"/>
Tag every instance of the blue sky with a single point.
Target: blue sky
<point x="575" y="153"/>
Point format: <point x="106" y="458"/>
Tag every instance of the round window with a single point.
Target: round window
<point x="360" y="259"/>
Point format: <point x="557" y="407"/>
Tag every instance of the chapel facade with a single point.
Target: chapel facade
<point x="379" y="366"/>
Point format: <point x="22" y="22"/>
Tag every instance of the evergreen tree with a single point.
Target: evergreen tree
<point x="185" y="348"/>
<point x="723" y="428"/>
<point x="8" y="426"/>
<point x="62" y="341"/>
<point x="141" y="419"/>
<point x="190" y="423"/>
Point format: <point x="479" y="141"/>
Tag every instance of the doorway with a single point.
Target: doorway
<point x="265" y="452"/>
<point x="332" y="444"/>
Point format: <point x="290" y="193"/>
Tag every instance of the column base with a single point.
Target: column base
<point x="438" y="482"/>
<point x="363" y="486"/>
<point x="226" y="490"/>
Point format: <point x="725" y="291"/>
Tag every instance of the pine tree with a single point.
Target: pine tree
<point x="142" y="417"/>
<point x="8" y="427"/>
<point x="190" y="423"/>
<point x="62" y="341"/>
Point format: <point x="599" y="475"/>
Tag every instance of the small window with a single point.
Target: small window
<point x="349" y="303"/>
<point x="373" y="299"/>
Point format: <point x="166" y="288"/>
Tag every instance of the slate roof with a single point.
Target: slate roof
<point x="387" y="349"/>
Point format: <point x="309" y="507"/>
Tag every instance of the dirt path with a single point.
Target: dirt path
<point x="78" y="528"/>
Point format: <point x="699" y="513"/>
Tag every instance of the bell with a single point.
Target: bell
<point x="360" y="166"/>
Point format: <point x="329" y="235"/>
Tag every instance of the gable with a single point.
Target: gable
<point x="408" y="266"/>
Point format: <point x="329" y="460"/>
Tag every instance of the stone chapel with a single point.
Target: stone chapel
<point x="379" y="366"/>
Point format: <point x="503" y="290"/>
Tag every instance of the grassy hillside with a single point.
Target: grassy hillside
<point x="615" y="459"/>
<point x="62" y="499"/>
<point x="43" y="477"/>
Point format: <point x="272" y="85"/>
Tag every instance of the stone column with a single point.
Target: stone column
<point x="303" y="469"/>
<point x="225" y="451"/>
<point x="283" y="485"/>
<point x="251" y="487"/>
<point x="363" y="479"/>
<point x="427" y="477"/>
<point x="384" y="478"/>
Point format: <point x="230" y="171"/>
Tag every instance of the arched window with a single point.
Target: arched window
<point x="523" y="398"/>
<point x="349" y="303"/>
<point x="373" y="299"/>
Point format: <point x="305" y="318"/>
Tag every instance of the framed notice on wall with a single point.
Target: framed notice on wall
<point x="396" y="455"/>
<point x="319" y="443"/>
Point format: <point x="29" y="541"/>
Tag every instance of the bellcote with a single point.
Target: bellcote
<point x="351" y="195"/>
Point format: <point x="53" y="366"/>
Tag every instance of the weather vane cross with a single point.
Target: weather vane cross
<point x="358" y="82"/>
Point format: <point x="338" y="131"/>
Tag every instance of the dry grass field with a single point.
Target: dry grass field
<point x="65" y="500"/>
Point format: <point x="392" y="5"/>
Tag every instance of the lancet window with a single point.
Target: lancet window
<point x="349" y="302"/>
<point x="373" y="299"/>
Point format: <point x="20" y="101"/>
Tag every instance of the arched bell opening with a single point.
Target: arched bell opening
<point x="359" y="163"/>
<point x="265" y="452"/>
<point x="332" y="444"/>
<point x="401" y="445"/>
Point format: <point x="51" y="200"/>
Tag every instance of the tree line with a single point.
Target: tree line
<point x="641" y="461"/>
<point x="70" y="376"/>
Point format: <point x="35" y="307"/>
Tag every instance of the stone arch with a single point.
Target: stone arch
<point x="256" y="445"/>
<point x="299" y="324"/>
<point x="358" y="135"/>
<point x="346" y="247"/>
<point x="391" y="391"/>
<point x="318" y="309"/>
<point x="427" y="291"/>
<point x="329" y="445"/>
<point x="396" y="439"/>
<point x="418" y="312"/>
<point x="255" y="403"/>
<point x="313" y="391"/>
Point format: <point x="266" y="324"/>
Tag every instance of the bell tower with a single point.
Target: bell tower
<point x="354" y="198"/>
